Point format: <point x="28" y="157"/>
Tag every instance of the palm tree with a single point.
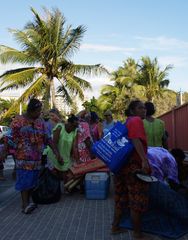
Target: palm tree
<point x="5" y="104"/>
<point x="152" y="77"/>
<point x="46" y="50"/>
<point x="109" y="94"/>
<point x="126" y="74"/>
<point x="125" y="78"/>
<point x="124" y="88"/>
<point x="91" y="105"/>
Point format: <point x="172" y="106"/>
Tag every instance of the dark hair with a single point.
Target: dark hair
<point x="94" y="116"/>
<point x="132" y="105"/>
<point x="55" y="111"/>
<point x="150" y="108"/>
<point x="33" y="105"/>
<point x="72" y="118"/>
<point x="177" y="152"/>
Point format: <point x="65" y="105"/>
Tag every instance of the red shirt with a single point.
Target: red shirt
<point x="136" y="131"/>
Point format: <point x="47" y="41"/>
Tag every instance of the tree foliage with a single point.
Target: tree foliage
<point x="152" y="77"/>
<point x="4" y="106"/>
<point x="133" y="80"/>
<point x="47" y="46"/>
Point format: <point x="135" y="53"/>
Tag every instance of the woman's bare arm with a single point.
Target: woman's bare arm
<point x="140" y="150"/>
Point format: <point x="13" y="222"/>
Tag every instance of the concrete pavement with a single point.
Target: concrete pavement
<point x="72" y="218"/>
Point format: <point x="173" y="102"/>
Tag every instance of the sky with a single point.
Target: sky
<point x="116" y="30"/>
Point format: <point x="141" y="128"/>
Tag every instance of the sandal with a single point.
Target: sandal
<point x="30" y="208"/>
<point x="145" y="177"/>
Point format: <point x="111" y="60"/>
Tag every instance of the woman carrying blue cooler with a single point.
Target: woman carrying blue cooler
<point x="131" y="192"/>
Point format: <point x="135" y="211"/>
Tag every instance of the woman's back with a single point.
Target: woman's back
<point x="154" y="131"/>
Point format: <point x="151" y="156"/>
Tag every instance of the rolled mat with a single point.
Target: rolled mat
<point x="89" y="166"/>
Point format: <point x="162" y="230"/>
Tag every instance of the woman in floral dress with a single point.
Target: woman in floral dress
<point x="30" y="137"/>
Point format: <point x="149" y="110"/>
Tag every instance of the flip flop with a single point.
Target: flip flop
<point x="30" y="208"/>
<point x="145" y="177"/>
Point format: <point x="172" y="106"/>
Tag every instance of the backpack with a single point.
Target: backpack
<point x="114" y="148"/>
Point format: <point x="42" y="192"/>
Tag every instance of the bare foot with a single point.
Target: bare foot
<point x="118" y="230"/>
<point x="141" y="236"/>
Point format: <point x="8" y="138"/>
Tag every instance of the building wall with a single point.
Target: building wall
<point x="176" y="123"/>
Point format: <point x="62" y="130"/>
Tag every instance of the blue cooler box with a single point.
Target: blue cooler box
<point x="97" y="185"/>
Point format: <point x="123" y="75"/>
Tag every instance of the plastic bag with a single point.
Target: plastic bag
<point x="114" y="148"/>
<point x="48" y="189"/>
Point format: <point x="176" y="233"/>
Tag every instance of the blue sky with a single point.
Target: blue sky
<point x="116" y="30"/>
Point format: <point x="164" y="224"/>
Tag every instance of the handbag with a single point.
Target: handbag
<point x="48" y="189"/>
<point x="114" y="148"/>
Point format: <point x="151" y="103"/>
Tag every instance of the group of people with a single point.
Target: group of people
<point x="150" y="157"/>
<point x="40" y="136"/>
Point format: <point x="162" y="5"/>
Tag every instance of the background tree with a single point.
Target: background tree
<point x="145" y="81"/>
<point x="165" y="103"/>
<point x="185" y="97"/>
<point x="126" y="75"/>
<point x="47" y="46"/>
<point x="152" y="77"/>
<point x="92" y="105"/>
<point x="124" y="88"/>
<point x="4" y="106"/>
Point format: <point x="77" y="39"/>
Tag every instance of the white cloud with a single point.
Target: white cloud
<point x="176" y="61"/>
<point x="96" y="84"/>
<point x="106" y="48"/>
<point x="162" y="43"/>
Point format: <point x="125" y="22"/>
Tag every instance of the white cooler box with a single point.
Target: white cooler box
<point x="97" y="185"/>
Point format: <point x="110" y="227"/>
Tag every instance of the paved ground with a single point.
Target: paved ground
<point x="73" y="218"/>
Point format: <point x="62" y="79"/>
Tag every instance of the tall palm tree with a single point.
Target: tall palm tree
<point x="46" y="50"/>
<point x="109" y="94"/>
<point x="124" y="88"/>
<point x="126" y="74"/>
<point x="152" y="77"/>
<point x="125" y="78"/>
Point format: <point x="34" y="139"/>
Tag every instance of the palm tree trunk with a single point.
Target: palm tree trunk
<point x="149" y="96"/>
<point x="46" y="99"/>
<point x="52" y="94"/>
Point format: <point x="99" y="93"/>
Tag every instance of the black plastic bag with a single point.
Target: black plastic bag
<point x="44" y="160"/>
<point x="48" y="189"/>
